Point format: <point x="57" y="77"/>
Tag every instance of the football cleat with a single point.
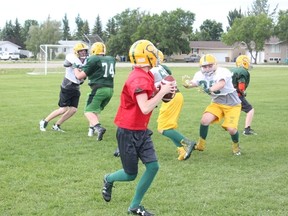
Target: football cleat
<point x="42" y="125"/>
<point x="117" y="152"/>
<point x="140" y="210"/>
<point x="107" y="189"/>
<point x="236" y="149"/>
<point x="100" y="132"/>
<point x="57" y="128"/>
<point x="200" y="146"/>
<point x="181" y="153"/>
<point x="188" y="147"/>
<point x="249" y="131"/>
<point x="91" y="131"/>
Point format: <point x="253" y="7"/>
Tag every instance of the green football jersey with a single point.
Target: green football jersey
<point x="240" y="74"/>
<point x="100" y="71"/>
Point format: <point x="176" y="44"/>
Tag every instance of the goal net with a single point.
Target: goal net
<point x="52" y="57"/>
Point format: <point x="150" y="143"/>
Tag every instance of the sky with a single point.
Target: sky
<point x="89" y="9"/>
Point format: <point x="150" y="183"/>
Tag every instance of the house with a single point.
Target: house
<point x="67" y="46"/>
<point x="9" y="47"/>
<point x="274" y="51"/>
<point x="221" y="51"/>
<point x="50" y="51"/>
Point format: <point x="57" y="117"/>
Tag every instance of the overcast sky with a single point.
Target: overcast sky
<point x="89" y="9"/>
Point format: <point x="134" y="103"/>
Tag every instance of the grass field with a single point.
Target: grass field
<point x="52" y="173"/>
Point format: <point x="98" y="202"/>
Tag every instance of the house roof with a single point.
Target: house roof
<point x="209" y="45"/>
<point x="69" y="43"/>
<point x="273" y="40"/>
<point x="8" y="42"/>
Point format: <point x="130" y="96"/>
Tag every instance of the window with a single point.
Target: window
<point x="274" y="59"/>
<point x="275" y="48"/>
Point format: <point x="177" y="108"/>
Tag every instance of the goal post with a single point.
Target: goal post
<point x="53" y="56"/>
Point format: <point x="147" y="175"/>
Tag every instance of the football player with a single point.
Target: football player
<point x="226" y="105"/>
<point x="69" y="89"/>
<point x="100" y="70"/>
<point x="169" y="113"/>
<point x="241" y="80"/>
<point x="137" y="101"/>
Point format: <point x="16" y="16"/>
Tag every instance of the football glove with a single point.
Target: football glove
<point x="76" y="66"/>
<point x="186" y="81"/>
<point x="208" y="91"/>
<point x="204" y="89"/>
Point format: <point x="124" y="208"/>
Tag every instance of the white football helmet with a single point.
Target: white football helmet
<point x="208" y="64"/>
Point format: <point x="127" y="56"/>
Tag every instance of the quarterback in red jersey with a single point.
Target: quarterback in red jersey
<point x="138" y="99"/>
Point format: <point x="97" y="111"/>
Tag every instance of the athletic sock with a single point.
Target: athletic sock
<point x="144" y="183"/>
<point x="235" y="137"/>
<point x="203" y="131"/>
<point x="175" y="136"/>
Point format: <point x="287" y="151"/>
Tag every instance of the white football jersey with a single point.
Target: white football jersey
<point x="73" y="59"/>
<point x="159" y="73"/>
<point x="227" y="95"/>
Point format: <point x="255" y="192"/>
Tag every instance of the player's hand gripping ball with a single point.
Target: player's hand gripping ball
<point x="168" y="80"/>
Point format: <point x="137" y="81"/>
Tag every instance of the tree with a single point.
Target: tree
<point x="110" y="30"/>
<point x="85" y="30"/>
<point x="79" y="32"/>
<point x="146" y="29"/>
<point x="174" y="25"/>
<point x="281" y="29"/>
<point x="33" y="41"/>
<point x="97" y="29"/>
<point x="66" y="29"/>
<point x="261" y="6"/>
<point x="47" y="33"/>
<point x="232" y="15"/>
<point x="126" y="23"/>
<point x="252" y="31"/>
<point x="210" y="30"/>
<point x="8" y="32"/>
<point x="13" y="33"/>
<point x="25" y="30"/>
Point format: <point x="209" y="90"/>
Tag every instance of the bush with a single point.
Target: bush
<point x="60" y="56"/>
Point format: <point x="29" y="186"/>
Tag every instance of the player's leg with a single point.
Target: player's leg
<point x="211" y="114"/>
<point x="231" y="120"/>
<point x="249" y="110"/>
<point x="168" y="122"/>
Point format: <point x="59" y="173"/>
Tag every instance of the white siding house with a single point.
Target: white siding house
<point x="9" y="47"/>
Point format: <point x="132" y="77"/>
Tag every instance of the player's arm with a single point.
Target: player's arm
<point x="147" y="105"/>
<point x="70" y="59"/>
<point x="218" y="86"/>
<point x="67" y="63"/>
<point x="241" y="88"/>
<point x="215" y="89"/>
<point x="187" y="82"/>
<point x="79" y="74"/>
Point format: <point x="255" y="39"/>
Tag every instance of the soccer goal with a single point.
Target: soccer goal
<point x="53" y="57"/>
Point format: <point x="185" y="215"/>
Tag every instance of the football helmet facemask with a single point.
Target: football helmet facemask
<point x="79" y="47"/>
<point x="143" y="53"/>
<point x="243" y="61"/>
<point x="98" y="48"/>
<point x="208" y="64"/>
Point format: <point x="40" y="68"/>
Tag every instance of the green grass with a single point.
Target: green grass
<point x="55" y="173"/>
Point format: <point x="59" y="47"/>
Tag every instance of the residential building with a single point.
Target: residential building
<point x="9" y="47"/>
<point x="274" y="51"/>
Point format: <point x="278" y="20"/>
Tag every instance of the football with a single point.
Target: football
<point x="168" y="97"/>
